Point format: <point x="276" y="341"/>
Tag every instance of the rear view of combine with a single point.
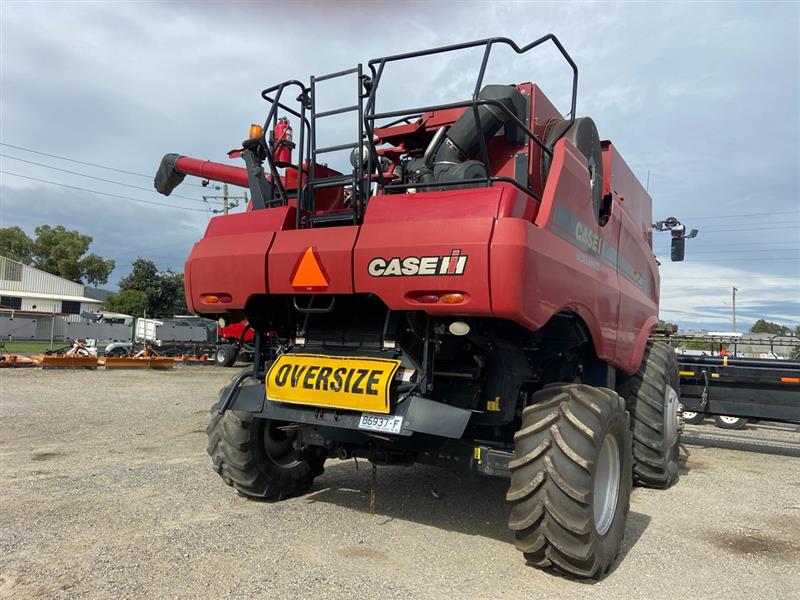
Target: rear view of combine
<point x="477" y="291"/>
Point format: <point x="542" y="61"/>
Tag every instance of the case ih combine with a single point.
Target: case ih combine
<point x="478" y="292"/>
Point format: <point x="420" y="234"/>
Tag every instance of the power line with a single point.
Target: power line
<point x="81" y="162"/>
<point x="73" y="187"/>
<point x="136" y="187"/>
<point x="736" y="251"/>
<point x="762" y="259"/>
<point x="748" y="229"/>
<point x="736" y="215"/>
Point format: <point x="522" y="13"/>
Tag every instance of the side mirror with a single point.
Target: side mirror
<point x="678" y="249"/>
<point x="679" y="236"/>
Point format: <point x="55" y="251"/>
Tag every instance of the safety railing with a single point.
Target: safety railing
<point x="307" y="150"/>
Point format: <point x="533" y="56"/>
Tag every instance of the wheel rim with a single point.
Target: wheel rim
<point x="606" y="485"/>
<point x="729" y="420"/>
<point x="688" y="414"/>
<point x="671" y="403"/>
<point x="220" y="356"/>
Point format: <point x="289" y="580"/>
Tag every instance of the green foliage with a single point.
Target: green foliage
<point x="57" y="251"/>
<point x="763" y="326"/>
<point x="163" y="289"/>
<point x="666" y="325"/>
<point x="128" y="302"/>
<point x="15" y="244"/>
<point x="701" y="345"/>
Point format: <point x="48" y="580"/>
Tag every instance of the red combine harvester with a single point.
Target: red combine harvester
<point x="478" y="292"/>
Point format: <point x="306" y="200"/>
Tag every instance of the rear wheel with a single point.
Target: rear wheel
<point x="259" y="458"/>
<point x="726" y="422"/>
<point x="651" y="396"/>
<point x="225" y="355"/>
<point x="571" y="479"/>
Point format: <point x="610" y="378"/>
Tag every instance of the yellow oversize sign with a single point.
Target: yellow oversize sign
<point x="350" y="383"/>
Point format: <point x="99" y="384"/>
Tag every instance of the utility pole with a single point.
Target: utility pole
<point x="228" y="202"/>
<point x="735" y="289"/>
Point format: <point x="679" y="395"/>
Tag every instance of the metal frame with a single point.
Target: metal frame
<point x="371" y="116"/>
<point x="367" y="87"/>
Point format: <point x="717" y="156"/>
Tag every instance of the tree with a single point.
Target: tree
<point x="128" y="302"/>
<point x="667" y="326"/>
<point x="763" y="326"/>
<point x="61" y="252"/>
<point x="164" y="289"/>
<point x="15" y="244"/>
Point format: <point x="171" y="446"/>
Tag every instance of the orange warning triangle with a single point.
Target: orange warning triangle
<point x="308" y="273"/>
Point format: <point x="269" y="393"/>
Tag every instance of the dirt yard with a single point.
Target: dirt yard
<point x="106" y="491"/>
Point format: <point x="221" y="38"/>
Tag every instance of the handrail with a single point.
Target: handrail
<point x="368" y="115"/>
<point x="377" y="74"/>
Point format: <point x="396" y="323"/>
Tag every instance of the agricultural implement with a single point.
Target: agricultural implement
<point x="9" y="360"/>
<point x="476" y="290"/>
<point x="77" y="356"/>
<point x="146" y="358"/>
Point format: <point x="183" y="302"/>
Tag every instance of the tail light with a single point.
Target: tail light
<point x="432" y="298"/>
<point x="216" y="298"/>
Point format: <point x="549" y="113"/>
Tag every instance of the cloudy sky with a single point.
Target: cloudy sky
<point x="703" y="97"/>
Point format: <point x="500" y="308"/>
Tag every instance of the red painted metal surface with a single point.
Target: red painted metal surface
<point x="234" y="331"/>
<point x="525" y="260"/>
<point x="212" y="170"/>
<point x="232" y="258"/>
<point x="333" y="247"/>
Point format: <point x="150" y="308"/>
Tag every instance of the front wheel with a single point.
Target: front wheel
<point x="571" y="479"/>
<point x="225" y="355"/>
<point x="261" y="458"/>
<point x="652" y="396"/>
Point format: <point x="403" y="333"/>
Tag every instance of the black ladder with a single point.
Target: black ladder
<point x="356" y="178"/>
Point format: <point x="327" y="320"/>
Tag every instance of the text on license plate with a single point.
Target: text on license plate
<point x="384" y="423"/>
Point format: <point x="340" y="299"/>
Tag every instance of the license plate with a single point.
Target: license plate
<point x="342" y="382"/>
<point x="382" y="423"/>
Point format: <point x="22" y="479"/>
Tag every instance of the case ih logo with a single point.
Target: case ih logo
<point x="454" y="263"/>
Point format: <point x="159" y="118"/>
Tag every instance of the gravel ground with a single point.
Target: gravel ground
<point x="106" y="492"/>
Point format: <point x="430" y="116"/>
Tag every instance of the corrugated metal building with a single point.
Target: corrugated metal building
<point x="30" y="294"/>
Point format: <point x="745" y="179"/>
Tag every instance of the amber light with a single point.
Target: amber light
<point x="217" y="299"/>
<point x="256" y="131"/>
<point x="452" y="298"/>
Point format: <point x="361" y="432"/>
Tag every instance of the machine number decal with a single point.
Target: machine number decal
<point x="454" y="263"/>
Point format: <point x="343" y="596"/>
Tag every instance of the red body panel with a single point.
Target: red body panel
<point x="334" y="248"/>
<point x="231" y="258"/>
<point x="525" y="260"/>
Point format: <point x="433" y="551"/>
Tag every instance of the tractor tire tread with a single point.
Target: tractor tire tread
<point x="551" y="484"/>
<point x="655" y="464"/>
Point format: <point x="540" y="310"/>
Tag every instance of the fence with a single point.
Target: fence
<point x="58" y="329"/>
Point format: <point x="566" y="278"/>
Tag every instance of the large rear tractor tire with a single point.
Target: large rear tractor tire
<point x="571" y="479"/>
<point x="652" y="397"/>
<point x="260" y="460"/>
